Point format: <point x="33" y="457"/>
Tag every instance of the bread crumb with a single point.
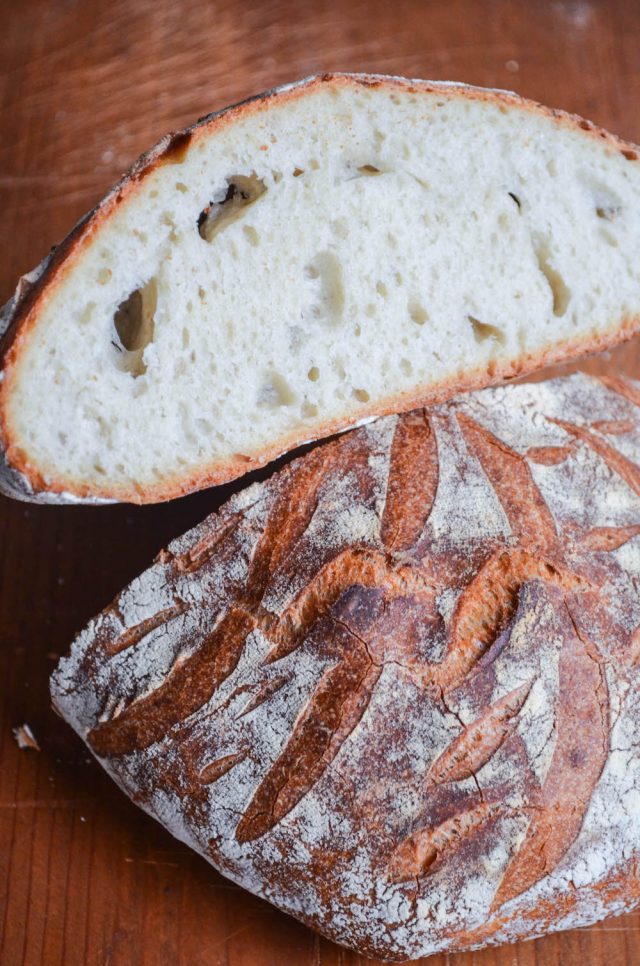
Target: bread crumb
<point x="25" y="738"/>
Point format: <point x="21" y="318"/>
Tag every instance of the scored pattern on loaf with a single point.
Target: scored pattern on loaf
<point x="450" y="619"/>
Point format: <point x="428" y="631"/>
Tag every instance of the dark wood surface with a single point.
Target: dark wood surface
<point x="85" y="877"/>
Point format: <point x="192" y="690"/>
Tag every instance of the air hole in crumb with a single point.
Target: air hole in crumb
<point x="369" y="169"/>
<point x="561" y="294"/>
<point x="515" y="199"/>
<point x="417" y="312"/>
<point x="630" y="155"/>
<point x="608" y="212"/>
<point x="297" y="172"/>
<point x="104" y="275"/>
<point x="609" y="237"/>
<point x="204" y="427"/>
<point x="87" y="312"/>
<point x="229" y="203"/>
<point x="181" y="186"/>
<point x="313" y="374"/>
<point x="314" y="165"/>
<point x="406" y="367"/>
<point x="134" y="325"/>
<point x="483" y="331"/>
<point x="185" y="338"/>
<point x="361" y="395"/>
<point x="201" y="293"/>
<point x="309" y="410"/>
<point x="381" y="289"/>
<point x="252" y="235"/>
<point x="326" y="289"/>
<point x="168" y="220"/>
<point x="275" y="391"/>
<point x="399" y="279"/>
<point x="357" y="330"/>
<point x="370" y="310"/>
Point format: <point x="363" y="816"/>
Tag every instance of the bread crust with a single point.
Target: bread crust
<point x="22" y="480"/>
<point x="393" y="689"/>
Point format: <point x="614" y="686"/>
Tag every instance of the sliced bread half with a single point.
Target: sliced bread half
<point x="333" y="250"/>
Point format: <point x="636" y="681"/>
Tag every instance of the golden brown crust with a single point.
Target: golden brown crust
<point x="170" y="149"/>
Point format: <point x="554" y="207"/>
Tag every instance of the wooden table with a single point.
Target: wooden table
<point x="85" y="877"/>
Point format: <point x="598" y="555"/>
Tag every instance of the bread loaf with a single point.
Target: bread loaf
<point x="394" y="689"/>
<point x="341" y="248"/>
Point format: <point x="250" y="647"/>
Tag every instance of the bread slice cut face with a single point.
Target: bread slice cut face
<point x="333" y="250"/>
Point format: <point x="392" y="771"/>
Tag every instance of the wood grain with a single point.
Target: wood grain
<point x="85" y="877"/>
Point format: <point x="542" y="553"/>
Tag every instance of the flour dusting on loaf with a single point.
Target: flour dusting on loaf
<point x="393" y="689"/>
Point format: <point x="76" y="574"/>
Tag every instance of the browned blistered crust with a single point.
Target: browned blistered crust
<point x="28" y="479"/>
<point x="474" y="685"/>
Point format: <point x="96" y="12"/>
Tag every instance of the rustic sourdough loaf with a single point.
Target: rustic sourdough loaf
<point x="394" y="689"/>
<point x="344" y="247"/>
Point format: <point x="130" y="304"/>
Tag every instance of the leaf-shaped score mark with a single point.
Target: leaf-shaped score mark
<point x="355" y="566"/>
<point x="607" y="538"/>
<point x="582" y="721"/>
<point x="550" y="455"/>
<point x="216" y="769"/>
<point x="614" y="459"/>
<point x="480" y="740"/>
<point x="419" y="853"/>
<point x="529" y="516"/>
<point x="188" y="687"/>
<point x="487" y="605"/>
<point x="133" y="635"/>
<point x="413" y="481"/>
<point x="622" y="387"/>
<point x="191" y="683"/>
<point x="334" y="710"/>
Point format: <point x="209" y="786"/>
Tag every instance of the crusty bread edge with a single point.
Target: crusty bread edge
<point x="21" y="480"/>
